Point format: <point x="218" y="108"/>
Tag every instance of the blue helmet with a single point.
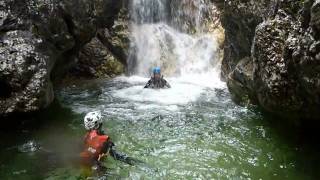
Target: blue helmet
<point x="156" y="70"/>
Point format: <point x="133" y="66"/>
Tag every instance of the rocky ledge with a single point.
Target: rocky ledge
<point x="272" y="54"/>
<point x="39" y="40"/>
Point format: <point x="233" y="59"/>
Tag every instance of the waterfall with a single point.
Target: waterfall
<point x="168" y="33"/>
<point x="149" y="11"/>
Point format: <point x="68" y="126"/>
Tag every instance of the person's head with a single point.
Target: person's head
<point x="93" y="120"/>
<point x="157" y="72"/>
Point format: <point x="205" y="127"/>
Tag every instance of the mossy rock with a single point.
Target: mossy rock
<point x="110" y="68"/>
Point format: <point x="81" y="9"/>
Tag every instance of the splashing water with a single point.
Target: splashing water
<point x="188" y="61"/>
<point x="156" y="43"/>
<point x="177" y="53"/>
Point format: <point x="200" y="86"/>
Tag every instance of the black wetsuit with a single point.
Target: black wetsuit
<point x="154" y="83"/>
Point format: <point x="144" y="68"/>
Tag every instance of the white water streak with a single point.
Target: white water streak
<point x="190" y="62"/>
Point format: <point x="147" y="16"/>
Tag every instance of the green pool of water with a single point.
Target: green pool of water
<point x="207" y="138"/>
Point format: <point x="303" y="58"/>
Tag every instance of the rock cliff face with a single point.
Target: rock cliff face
<point x="106" y="54"/>
<point x="272" y="54"/>
<point x="271" y="49"/>
<point x="36" y="37"/>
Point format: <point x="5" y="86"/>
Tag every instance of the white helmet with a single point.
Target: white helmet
<point x="92" y="120"/>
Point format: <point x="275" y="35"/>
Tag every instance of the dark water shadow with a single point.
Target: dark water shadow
<point x="302" y="135"/>
<point x="32" y="144"/>
<point x="36" y="120"/>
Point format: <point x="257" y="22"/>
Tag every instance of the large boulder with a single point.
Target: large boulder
<point x="274" y="80"/>
<point x="39" y="38"/>
<point x="24" y="73"/>
<point x="271" y="54"/>
<point x="96" y="61"/>
<point x="239" y="19"/>
<point x="106" y="54"/>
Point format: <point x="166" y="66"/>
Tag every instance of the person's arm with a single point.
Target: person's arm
<point x="166" y="84"/>
<point x="107" y="146"/>
<point x="123" y="157"/>
<point x="148" y="84"/>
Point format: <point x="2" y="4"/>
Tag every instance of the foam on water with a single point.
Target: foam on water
<point x="189" y="62"/>
<point x="185" y="89"/>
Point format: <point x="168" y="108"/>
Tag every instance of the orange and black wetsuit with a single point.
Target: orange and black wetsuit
<point x="96" y="145"/>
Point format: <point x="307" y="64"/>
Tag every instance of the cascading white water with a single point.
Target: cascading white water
<point x="177" y="53"/>
<point x="148" y="11"/>
<point x="158" y="41"/>
<point x="161" y="37"/>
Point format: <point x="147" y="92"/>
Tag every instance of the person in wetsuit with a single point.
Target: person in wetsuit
<point x="97" y="145"/>
<point x="157" y="81"/>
